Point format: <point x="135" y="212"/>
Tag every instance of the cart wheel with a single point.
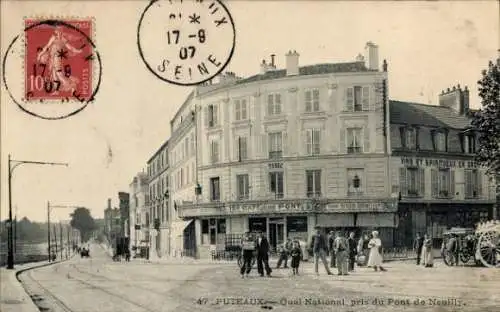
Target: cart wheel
<point x="489" y="249"/>
<point x="465" y="257"/>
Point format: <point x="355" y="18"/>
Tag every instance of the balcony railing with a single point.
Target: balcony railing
<point x="354" y="150"/>
<point x="313" y="194"/>
<point x="276" y="155"/>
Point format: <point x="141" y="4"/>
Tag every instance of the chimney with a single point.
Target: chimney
<point x="456" y="99"/>
<point x="109" y="203"/>
<point x="263" y="67"/>
<point x="292" y="63"/>
<point x="273" y="65"/>
<point x="371" y="55"/>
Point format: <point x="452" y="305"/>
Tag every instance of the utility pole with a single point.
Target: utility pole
<point x="16" y="163"/>
<point x="55" y="241"/>
<point x="67" y="244"/>
<point x="61" y="239"/>
<point x="48" y="230"/>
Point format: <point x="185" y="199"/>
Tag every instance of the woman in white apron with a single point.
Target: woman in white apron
<point x="375" y="258"/>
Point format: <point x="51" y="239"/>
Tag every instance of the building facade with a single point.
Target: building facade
<point x="158" y="203"/>
<point x="139" y="216"/>
<point x="288" y="149"/>
<point x="112" y="223"/>
<point x="441" y="185"/>
<point x="183" y="175"/>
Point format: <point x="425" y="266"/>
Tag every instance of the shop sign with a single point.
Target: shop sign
<point x="440" y="163"/>
<point x="276" y="165"/>
<point x="243" y="208"/>
<point x="357" y="206"/>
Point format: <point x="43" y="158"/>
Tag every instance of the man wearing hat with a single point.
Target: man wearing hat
<point x="263" y="255"/>
<point x="319" y="247"/>
<point x="247" y="249"/>
<point x="331" y="250"/>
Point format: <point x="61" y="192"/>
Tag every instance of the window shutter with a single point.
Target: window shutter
<point x="421" y="176"/>
<point x="216" y="115"/>
<point x="270" y="102"/>
<point x="365" y="97"/>
<point x="205" y="114"/>
<point x="284" y="144"/>
<point x="278" y="103"/>
<point x="265" y="149"/>
<point x="243" y="108"/>
<point x="402" y="136"/>
<point x="349" y="99"/>
<point x="236" y="149"/>
<point x="316" y="100"/>
<point x="479" y="178"/>
<point x="342" y="142"/>
<point x="308" y="142"/>
<point x="434" y="182"/>
<point x="402" y="182"/>
<point x="452" y="183"/>
<point x="366" y="140"/>
<point x="308" y="100"/>
<point x="373" y="100"/>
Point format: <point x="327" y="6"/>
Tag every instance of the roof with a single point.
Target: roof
<point x="180" y="109"/>
<point x="157" y="151"/>
<point x="317" y="69"/>
<point x="426" y="115"/>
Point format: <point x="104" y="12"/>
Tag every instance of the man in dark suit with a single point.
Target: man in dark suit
<point x="352" y="249"/>
<point x="417" y="247"/>
<point x="263" y="255"/>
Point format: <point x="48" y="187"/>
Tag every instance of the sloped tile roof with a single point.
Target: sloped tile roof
<point x="317" y="69"/>
<point x="426" y="115"/>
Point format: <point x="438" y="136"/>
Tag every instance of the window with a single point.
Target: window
<point x="212" y="115"/>
<point x="469" y="144"/>
<point x="472" y="183"/>
<point x="214" y="189"/>
<point x="443" y="183"/>
<point x="186" y="148"/>
<point x="354" y="140"/>
<point x="193" y="151"/>
<point x="409" y="138"/>
<point x="354" y="181"/>
<point x="242" y="186"/>
<point x="214" y="152"/>
<point x="439" y="141"/>
<point x="275" y="145"/>
<point x="240" y="109"/>
<point x="313" y="183"/>
<point x="313" y="141"/>
<point x="276" y="184"/>
<point x="412" y="182"/>
<point x="182" y="177"/>
<point x="274" y="104"/>
<point x="357" y="99"/>
<point x="188" y="176"/>
<point x="312" y="100"/>
<point x="241" y="148"/>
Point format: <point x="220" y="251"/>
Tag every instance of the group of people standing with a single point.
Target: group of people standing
<point x="423" y="248"/>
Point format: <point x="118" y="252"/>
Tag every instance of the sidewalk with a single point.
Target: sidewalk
<point x="13" y="297"/>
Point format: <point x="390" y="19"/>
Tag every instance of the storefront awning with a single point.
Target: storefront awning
<point x="177" y="227"/>
<point x="376" y="220"/>
<point x="335" y="220"/>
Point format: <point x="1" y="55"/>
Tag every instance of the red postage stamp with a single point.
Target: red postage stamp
<point x="58" y="60"/>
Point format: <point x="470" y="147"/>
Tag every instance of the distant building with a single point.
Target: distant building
<point x="124" y="206"/>
<point x="112" y="222"/>
<point x="433" y="167"/>
<point x="158" y="201"/>
<point x="139" y="215"/>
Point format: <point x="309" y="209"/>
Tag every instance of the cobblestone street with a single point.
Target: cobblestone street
<point x="98" y="284"/>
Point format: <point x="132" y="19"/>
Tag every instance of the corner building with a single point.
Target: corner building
<point x="288" y="149"/>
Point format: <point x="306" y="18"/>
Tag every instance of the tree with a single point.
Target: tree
<point x="83" y="221"/>
<point x="487" y="120"/>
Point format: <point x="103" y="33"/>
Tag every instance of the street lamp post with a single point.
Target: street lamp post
<point x="13" y="164"/>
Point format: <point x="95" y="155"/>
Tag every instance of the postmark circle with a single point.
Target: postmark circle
<point x="186" y="42"/>
<point x="53" y="70"/>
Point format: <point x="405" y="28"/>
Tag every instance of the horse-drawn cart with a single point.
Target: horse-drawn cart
<point x="481" y="244"/>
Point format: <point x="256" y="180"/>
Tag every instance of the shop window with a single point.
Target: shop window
<point x="257" y="224"/>
<point x="221" y="226"/>
<point x="296" y="224"/>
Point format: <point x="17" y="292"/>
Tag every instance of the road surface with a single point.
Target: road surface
<point x="99" y="284"/>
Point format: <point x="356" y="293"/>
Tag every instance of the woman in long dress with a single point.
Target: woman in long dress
<point x="427" y="256"/>
<point x="375" y="258"/>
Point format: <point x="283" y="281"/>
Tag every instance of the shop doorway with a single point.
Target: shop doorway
<point x="276" y="232"/>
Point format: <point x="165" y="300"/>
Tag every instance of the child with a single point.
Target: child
<point x="296" y="254"/>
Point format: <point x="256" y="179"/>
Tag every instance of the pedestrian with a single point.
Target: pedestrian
<point x="284" y="250"/>
<point x="363" y="250"/>
<point x="452" y="247"/>
<point x="352" y="251"/>
<point x="319" y="249"/>
<point x="247" y="252"/>
<point x="263" y="255"/>
<point x="417" y="247"/>
<point x="296" y="254"/>
<point x="331" y="250"/>
<point x="127" y="255"/>
<point x="427" y="256"/>
<point x="341" y="246"/>
<point x="375" y="258"/>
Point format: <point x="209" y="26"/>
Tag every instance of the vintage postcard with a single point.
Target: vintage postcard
<point x="239" y="155"/>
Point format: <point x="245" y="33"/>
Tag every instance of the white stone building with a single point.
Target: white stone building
<point x="139" y="215"/>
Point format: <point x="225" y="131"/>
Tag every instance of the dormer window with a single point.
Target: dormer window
<point x="439" y="141"/>
<point x="409" y="138"/>
<point x="468" y="144"/>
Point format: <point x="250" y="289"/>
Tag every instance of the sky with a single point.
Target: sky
<point x="429" y="46"/>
